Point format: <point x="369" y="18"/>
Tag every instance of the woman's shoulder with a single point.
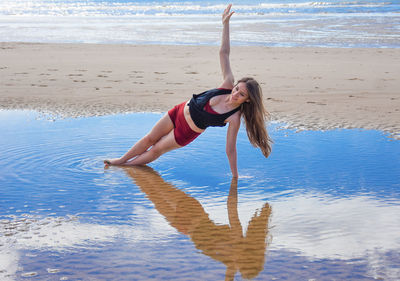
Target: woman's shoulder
<point x="234" y="119"/>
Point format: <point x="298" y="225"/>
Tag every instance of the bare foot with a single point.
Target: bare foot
<point x="116" y="161"/>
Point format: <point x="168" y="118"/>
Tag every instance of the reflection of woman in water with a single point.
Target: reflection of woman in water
<point x="224" y="243"/>
<point x="216" y="107"/>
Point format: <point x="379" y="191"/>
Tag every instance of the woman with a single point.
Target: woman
<point x="216" y="107"/>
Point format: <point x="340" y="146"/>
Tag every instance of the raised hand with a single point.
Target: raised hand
<point x="226" y="15"/>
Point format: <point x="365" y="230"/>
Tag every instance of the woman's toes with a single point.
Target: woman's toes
<point x="116" y="161"/>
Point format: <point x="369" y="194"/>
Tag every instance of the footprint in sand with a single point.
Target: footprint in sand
<point x="276" y="100"/>
<point x="178" y="83"/>
<point x="6" y="48"/>
<point x="40" y="85"/>
<point x="317" y="103"/>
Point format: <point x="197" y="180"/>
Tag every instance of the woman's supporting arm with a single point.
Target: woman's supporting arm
<point x="231" y="137"/>
<point x="224" y="52"/>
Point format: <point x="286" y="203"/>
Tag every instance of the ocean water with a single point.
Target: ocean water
<point x="324" y="206"/>
<point x="328" y="23"/>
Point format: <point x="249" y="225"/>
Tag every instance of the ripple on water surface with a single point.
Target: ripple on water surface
<point x="324" y="205"/>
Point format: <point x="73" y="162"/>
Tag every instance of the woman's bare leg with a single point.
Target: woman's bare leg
<point x="160" y="129"/>
<point x="165" y="144"/>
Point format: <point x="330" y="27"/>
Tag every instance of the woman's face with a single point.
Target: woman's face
<point x="240" y="94"/>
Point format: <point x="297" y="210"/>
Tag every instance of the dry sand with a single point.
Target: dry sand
<point x="308" y="88"/>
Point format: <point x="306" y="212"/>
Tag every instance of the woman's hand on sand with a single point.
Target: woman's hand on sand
<point x="226" y="15"/>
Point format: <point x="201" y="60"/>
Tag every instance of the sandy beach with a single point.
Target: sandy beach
<point x="307" y="88"/>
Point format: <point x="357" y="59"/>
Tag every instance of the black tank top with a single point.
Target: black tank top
<point x="204" y="119"/>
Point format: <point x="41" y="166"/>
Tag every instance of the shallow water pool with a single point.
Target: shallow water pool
<point x="324" y="206"/>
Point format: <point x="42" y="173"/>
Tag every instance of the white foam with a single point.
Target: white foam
<point x="273" y="24"/>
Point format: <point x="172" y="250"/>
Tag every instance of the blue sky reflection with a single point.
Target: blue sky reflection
<point x="334" y="199"/>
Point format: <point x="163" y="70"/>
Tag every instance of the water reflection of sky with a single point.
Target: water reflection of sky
<point x="334" y="197"/>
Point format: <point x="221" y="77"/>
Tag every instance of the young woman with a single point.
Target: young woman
<point x="216" y="107"/>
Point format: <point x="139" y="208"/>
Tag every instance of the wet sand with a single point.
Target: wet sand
<point x="307" y="88"/>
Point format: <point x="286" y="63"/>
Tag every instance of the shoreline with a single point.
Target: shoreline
<point x="306" y="88"/>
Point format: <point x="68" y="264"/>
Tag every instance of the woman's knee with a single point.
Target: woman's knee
<point x="150" y="139"/>
<point x="164" y="145"/>
<point x="157" y="150"/>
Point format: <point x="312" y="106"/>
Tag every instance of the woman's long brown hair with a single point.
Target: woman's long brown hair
<point x="256" y="116"/>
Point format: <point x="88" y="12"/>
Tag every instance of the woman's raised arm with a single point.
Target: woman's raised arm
<point x="228" y="79"/>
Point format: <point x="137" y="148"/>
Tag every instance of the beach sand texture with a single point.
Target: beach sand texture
<point x="307" y="88"/>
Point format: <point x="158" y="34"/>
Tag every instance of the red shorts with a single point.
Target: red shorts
<point x="182" y="132"/>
